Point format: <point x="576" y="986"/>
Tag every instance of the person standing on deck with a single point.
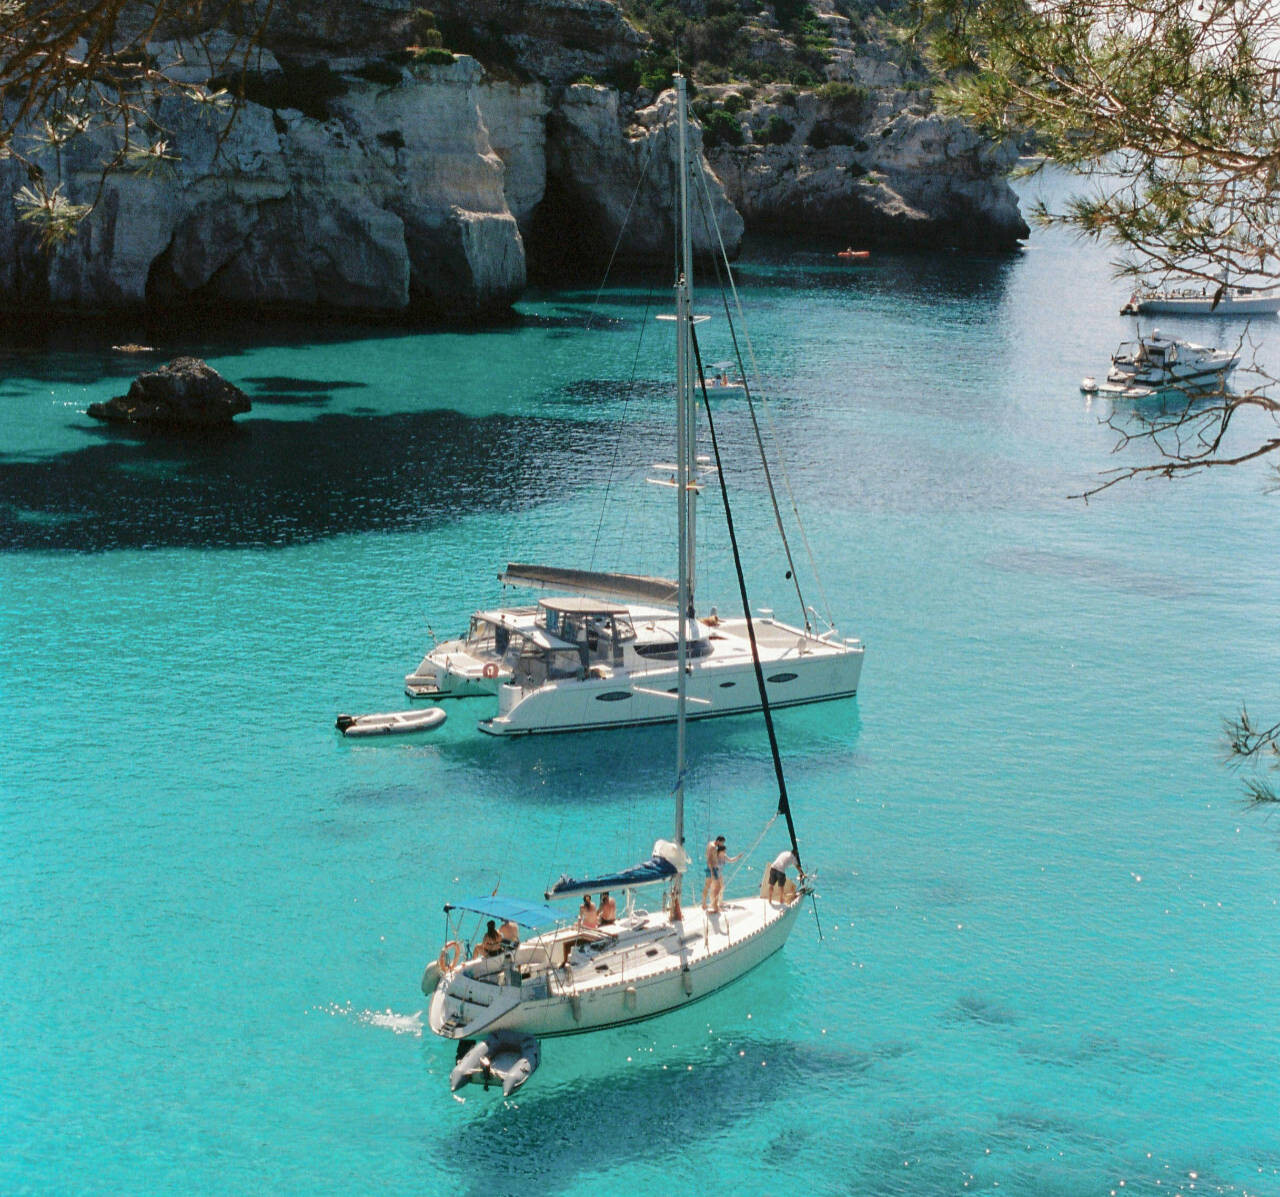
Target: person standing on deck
<point x="778" y="874"/>
<point x="722" y="858"/>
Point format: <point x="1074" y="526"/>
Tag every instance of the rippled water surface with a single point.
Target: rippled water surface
<point x="1047" y="959"/>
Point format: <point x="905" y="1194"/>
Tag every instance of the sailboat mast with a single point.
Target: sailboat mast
<point x="683" y="365"/>
<point x="689" y="379"/>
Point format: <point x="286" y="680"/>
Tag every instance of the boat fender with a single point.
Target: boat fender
<point x="629" y="997"/>
<point x="575" y="1004"/>
<point x="431" y="978"/>
<point x="687" y="981"/>
<point x="490" y="670"/>
<point x="469" y="1060"/>
<point x="516" y="1075"/>
<point x="449" y="955"/>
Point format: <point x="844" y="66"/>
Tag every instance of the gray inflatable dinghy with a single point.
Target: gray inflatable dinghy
<point x="509" y="1060"/>
<point x="392" y="723"/>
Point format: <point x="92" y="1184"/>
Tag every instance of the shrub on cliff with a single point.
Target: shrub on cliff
<point x="721" y="128"/>
<point x="434" y="54"/>
<point x="721" y="40"/>
<point x="849" y="102"/>
<point x="775" y="131"/>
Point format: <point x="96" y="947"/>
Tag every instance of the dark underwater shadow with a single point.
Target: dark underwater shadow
<point x="580" y="768"/>
<point x="547" y="1139"/>
<point x="84" y="351"/>
<point x="271" y="484"/>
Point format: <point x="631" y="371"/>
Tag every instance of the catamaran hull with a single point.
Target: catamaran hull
<point x="594" y="1007"/>
<point x="449" y="672"/>
<point x="714" y="688"/>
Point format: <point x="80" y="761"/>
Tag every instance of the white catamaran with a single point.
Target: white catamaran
<point x="569" y="977"/>
<point x="600" y="650"/>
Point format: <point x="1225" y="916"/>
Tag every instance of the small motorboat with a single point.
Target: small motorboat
<point x="721" y="380"/>
<point x="854" y="255"/>
<point x="1157" y="364"/>
<point x="508" y="1060"/>
<point x="392" y="723"/>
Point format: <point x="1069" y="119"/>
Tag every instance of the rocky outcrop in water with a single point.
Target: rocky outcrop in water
<point x="187" y="394"/>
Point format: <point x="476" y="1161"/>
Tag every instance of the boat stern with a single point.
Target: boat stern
<point x="449" y="671"/>
<point x="463" y="1006"/>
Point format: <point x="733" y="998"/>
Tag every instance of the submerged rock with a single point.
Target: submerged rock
<point x="186" y="393"/>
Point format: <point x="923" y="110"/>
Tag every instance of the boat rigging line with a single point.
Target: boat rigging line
<point x="784" y="803"/>
<point x="709" y="216"/>
<point x="631" y="382"/>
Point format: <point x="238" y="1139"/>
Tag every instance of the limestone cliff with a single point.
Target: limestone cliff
<point x="613" y="180"/>
<point x="903" y="175"/>
<point x="394" y="202"/>
<point x="362" y="175"/>
<point x="865" y="157"/>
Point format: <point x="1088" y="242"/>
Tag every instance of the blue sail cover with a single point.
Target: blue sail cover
<point x="649" y="872"/>
<point x="525" y="914"/>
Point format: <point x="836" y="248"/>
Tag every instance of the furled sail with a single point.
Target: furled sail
<point x="616" y="587"/>
<point x="667" y="860"/>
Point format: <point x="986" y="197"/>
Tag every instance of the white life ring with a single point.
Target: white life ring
<point x="449" y="956"/>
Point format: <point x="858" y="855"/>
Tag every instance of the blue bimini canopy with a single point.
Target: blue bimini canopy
<point x="526" y="914"/>
<point x="656" y="868"/>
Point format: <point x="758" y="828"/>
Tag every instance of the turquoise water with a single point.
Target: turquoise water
<point x="1048" y="957"/>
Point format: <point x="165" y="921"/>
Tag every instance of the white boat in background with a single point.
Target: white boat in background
<point x="1158" y="365"/>
<point x="1203" y="300"/>
<point x="600" y="650"/>
<point x="578" y="976"/>
<point x="720" y="379"/>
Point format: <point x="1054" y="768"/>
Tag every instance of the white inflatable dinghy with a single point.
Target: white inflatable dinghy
<point x="392" y="723"/>
<point x="504" y="1059"/>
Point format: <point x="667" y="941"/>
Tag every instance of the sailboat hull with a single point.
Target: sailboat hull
<point x="646" y="976"/>
<point x="1191" y="303"/>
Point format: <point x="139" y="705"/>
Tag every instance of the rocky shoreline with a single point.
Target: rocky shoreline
<point x="383" y="184"/>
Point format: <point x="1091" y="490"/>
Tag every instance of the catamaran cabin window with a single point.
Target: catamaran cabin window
<point x="481" y="636"/>
<point x="537" y="665"/>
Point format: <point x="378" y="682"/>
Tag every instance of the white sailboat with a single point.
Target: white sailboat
<point x="600" y="650"/>
<point x="569" y="978"/>
<point x="1189" y="299"/>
